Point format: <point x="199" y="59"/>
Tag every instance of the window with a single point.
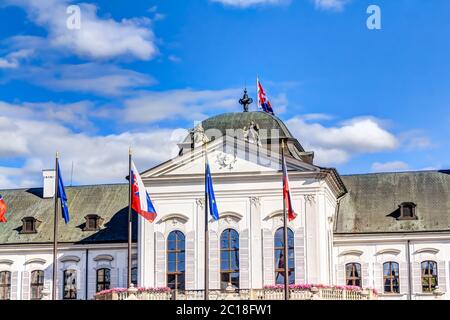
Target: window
<point x="175" y="260"/>
<point x="103" y="279"/>
<point x="70" y="284"/>
<point x="407" y="211"/>
<point x="93" y="222"/>
<point x="429" y="276"/>
<point x="134" y="276"/>
<point x="5" y="285"/>
<point x="229" y="258"/>
<point x="37" y="284"/>
<point x="353" y="274"/>
<point x="391" y="277"/>
<point x="279" y="256"/>
<point x="29" y="225"/>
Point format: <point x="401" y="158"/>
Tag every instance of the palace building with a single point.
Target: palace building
<point x="388" y="231"/>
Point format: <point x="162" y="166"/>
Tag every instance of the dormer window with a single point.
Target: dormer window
<point x="407" y="211"/>
<point x="93" y="222"/>
<point x="29" y="225"/>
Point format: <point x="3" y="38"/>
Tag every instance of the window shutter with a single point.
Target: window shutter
<point x="214" y="264"/>
<point x="365" y="275"/>
<point x="442" y="279"/>
<point x="114" y="278"/>
<point x="48" y="278"/>
<point x="404" y="278"/>
<point x="417" y="277"/>
<point x="190" y="261"/>
<point x="59" y="284"/>
<point x="244" y="260"/>
<point x="160" y="261"/>
<point x="25" y="285"/>
<point x="124" y="277"/>
<point x="299" y="253"/>
<point x="80" y="283"/>
<point x="340" y="274"/>
<point x="14" y="279"/>
<point x="268" y="257"/>
<point x="92" y="283"/>
<point x="378" y="276"/>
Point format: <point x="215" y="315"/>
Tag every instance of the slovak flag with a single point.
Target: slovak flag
<point x="287" y="192"/>
<point x="3" y="209"/>
<point x="263" y="102"/>
<point x="140" y="200"/>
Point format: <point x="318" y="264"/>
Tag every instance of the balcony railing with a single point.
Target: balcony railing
<point x="300" y="292"/>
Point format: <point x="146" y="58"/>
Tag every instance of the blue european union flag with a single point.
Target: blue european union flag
<point x="62" y="196"/>
<point x="211" y="197"/>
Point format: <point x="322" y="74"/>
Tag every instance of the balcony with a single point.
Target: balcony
<point x="296" y="292"/>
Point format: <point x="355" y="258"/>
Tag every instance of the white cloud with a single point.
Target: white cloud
<point x="98" y="38"/>
<point x="97" y="78"/>
<point x="187" y="104"/>
<point x="336" y="5"/>
<point x="34" y="133"/>
<point x="389" y="166"/>
<point x="334" y="145"/>
<point x="250" y="3"/>
<point x="13" y="59"/>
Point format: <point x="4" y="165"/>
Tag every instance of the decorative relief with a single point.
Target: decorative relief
<point x="255" y="201"/>
<point x="200" y="137"/>
<point x="225" y="160"/>
<point x="251" y="133"/>
<point x="310" y="198"/>
<point x="200" y="202"/>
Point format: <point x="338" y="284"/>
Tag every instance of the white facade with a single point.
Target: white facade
<point x="21" y="260"/>
<point x="249" y="198"/>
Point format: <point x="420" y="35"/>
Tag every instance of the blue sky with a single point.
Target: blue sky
<point x="138" y="73"/>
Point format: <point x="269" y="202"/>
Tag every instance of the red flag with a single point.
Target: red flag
<point x="2" y="209"/>
<point x="286" y="192"/>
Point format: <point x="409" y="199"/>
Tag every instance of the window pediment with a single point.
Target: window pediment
<point x="427" y="250"/>
<point x="70" y="259"/>
<point x="229" y="214"/>
<point x="178" y="217"/>
<point x="35" y="260"/>
<point x="389" y="251"/>
<point x="6" y="261"/>
<point x="352" y="253"/>
<point x="104" y="257"/>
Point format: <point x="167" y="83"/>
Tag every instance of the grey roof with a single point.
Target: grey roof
<point x="110" y="202"/>
<point x="371" y="204"/>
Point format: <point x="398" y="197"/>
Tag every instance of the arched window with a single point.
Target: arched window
<point x="175" y="260"/>
<point x="37" y="284"/>
<point x="5" y="285"/>
<point x="229" y="258"/>
<point x="70" y="284"/>
<point x="134" y="276"/>
<point x="391" y="277"/>
<point x="429" y="276"/>
<point x="103" y="279"/>
<point x="279" y="256"/>
<point x="353" y="274"/>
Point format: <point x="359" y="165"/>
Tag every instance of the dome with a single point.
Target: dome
<point x="240" y="120"/>
<point x="263" y="122"/>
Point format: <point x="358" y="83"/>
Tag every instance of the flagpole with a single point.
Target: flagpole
<point x="130" y="226"/>
<point x="285" y="234"/>
<point x="206" y="233"/>
<point x="55" y="231"/>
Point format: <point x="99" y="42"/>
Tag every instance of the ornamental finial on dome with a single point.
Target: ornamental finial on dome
<point x="245" y="101"/>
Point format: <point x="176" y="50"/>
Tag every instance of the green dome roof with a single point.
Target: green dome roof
<point x="240" y="120"/>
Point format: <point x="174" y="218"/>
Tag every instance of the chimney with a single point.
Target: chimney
<point x="49" y="183"/>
